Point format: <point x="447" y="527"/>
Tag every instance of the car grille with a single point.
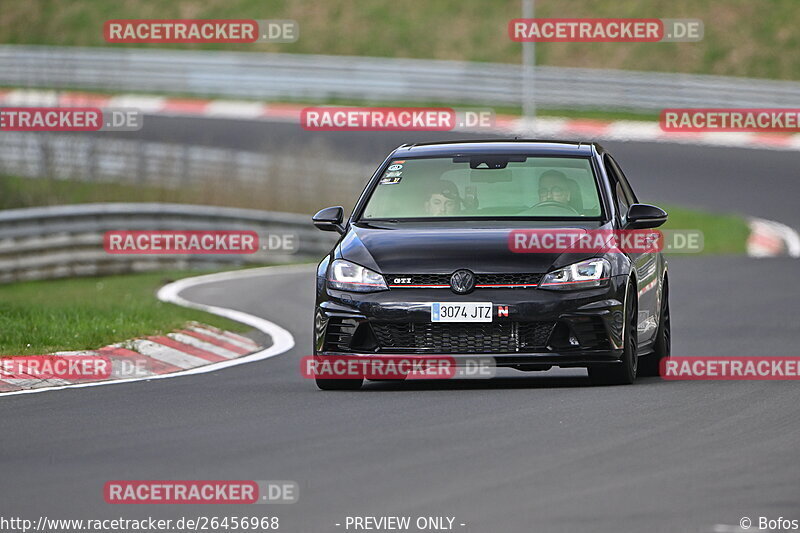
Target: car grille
<point x="507" y="337"/>
<point x="482" y="281"/>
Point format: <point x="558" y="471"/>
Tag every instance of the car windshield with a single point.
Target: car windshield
<point x="485" y="186"/>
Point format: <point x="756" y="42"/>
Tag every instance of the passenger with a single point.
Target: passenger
<point x="554" y="186"/>
<point x="443" y="199"/>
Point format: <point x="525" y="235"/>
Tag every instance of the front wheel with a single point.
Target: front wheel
<point x="663" y="345"/>
<point x="624" y="372"/>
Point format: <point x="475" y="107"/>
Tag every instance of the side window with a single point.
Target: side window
<point x="631" y="197"/>
<point x="620" y="198"/>
<point x="622" y="201"/>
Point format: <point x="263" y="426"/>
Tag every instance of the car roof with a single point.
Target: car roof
<point x="499" y="146"/>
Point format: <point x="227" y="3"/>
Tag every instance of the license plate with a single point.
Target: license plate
<point x="461" y="312"/>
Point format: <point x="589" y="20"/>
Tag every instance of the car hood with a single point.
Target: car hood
<point x="418" y="250"/>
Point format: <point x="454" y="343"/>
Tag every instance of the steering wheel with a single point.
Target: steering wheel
<point x="551" y="203"/>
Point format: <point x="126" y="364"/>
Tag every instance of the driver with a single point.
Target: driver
<point x="443" y="199"/>
<point x="554" y="187"/>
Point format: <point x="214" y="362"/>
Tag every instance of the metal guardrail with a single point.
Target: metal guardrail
<point x="67" y="241"/>
<point x="279" y="179"/>
<point x="296" y="76"/>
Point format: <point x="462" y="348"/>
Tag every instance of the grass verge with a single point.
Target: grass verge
<point x="723" y="233"/>
<point x="39" y="317"/>
<point x="741" y="37"/>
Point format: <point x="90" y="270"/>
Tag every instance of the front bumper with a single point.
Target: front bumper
<point x="531" y="328"/>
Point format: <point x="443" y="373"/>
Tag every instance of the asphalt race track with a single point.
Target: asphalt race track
<point x="520" y="453"/>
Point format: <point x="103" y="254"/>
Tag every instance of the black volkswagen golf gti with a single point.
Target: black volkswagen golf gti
<point x="428" y="263"/>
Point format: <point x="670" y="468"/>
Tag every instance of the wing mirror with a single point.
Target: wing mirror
<point x="644" y="216"/>
<point x="330" y="219"/>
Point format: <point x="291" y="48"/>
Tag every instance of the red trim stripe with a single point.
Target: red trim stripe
<point x="482" y="285"/>
<point x="423" y="286"/>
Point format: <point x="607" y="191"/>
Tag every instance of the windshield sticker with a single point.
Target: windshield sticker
<point x="395" y="167"/>
<point x="386" y="180"/>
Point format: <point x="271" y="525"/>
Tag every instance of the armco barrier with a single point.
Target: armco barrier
<point x="67" y="241"/>
<point x="298" y="76"/>
<point x="287" y="179"/>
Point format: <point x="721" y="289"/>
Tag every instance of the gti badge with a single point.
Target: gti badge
<point x="462" y="281"/>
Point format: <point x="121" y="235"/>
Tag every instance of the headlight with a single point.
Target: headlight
<point x="347" y="276"/>
<point x="583" y="275"/>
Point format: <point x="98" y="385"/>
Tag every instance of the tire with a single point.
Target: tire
<point x="624" y="372"/>
<point x="649" y="365"/>
<point x="339" y="384"/>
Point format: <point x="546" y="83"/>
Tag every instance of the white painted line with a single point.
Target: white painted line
<point x="728" y="138"/>
<point x="234" y="109"/>
<point x="282" y="340"/>
<point x="168" y="355"/>
<point x="207" y="346"/>
<point x="634" y="130"/>
<point x="145" y="104"/>
<point x="31" y="98"/>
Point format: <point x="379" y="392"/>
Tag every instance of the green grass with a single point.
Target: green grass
<point x="18" y="192"/>
<point x="39" y="317"/>
<point x="742" y="37"/>
<point x="723" y="233"/>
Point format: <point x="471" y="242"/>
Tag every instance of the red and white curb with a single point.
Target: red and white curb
<point x="196" y="345"/>
<point x="197" y="349"/>
<point x="622" y="130"/>
<point x="772" y="239"/>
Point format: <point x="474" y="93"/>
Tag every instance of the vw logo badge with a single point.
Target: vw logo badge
<point x="462" y="281"/>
